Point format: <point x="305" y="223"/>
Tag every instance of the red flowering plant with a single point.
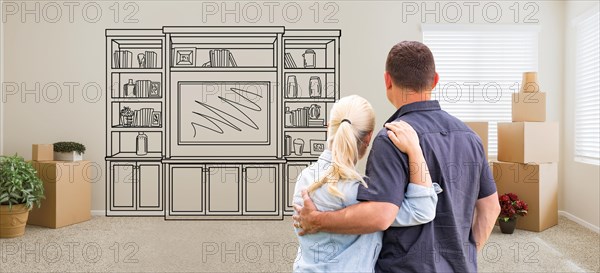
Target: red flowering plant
<point x="511" y="207"/>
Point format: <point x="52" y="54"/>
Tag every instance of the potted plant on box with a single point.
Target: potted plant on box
<point x="20" y="190"/>
<point x="68" y="151"/>
<point x="511" y="207"/>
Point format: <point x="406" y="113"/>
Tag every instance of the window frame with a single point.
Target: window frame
<point x="474" y="28"/>
<point x="577" y="24"/>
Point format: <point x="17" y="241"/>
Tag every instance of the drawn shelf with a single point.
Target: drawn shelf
<point x="223" y="69"/>
<point x="136" y="129"/>
<point x="129" y="156"/>
<point x="309" y="70"/>
<point x="137" y="70"/>
<point x="140" y="100"/>
<point x="136" y="53"/>
<point x="306" y="129"/>
<point x="248" y="104"/>
<point x="309" y="100"/>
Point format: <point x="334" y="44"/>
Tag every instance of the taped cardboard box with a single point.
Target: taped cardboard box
<point x="529" y="107"/>
<point x="68" y="191"/>
<point x="537" y="185"/>
<point x="528" y="142"/>
<point x="481" y="129"/>
<point x="42" y="152"/>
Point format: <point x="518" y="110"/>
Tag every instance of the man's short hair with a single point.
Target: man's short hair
<point x="411" y="66"/>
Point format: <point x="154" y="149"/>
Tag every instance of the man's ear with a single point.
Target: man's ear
<point x="388" y="80"/>
<point x="436" y="79"/>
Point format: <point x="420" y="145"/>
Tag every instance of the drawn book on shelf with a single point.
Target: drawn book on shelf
<point x="143" y="88"/>
<point x="143" y="117"/>
<point x="122" y="59"/>
<point x="150" y="60"/>
<point x="220" y="58"/>
<point x="289" y="61"/>
<point x="300" y="118"/>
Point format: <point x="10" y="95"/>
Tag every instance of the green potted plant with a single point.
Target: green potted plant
<point x="68" y="151"/>
<point x="511" y="207"/>
<point x="20" y="190"/>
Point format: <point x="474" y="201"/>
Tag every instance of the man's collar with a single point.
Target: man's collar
<point x="427" y="105"/>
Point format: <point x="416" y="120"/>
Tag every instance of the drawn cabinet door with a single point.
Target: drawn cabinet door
<point x="149" y="186"/>
<point x="123" y="185"/>
<point x="260" y="190"/>
<point x="292" y="171"/>
<point x="187" y="189"/>
<point x="224" y="189"/>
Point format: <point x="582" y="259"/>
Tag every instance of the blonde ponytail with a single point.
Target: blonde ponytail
<point x="351" y="119"/>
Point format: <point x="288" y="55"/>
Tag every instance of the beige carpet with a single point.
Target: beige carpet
<point x="154" y="245"/>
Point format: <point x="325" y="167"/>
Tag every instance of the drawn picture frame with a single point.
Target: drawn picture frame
<point x="317" y="146"/>
<point x="156" y="119"/>
<point x="155" y="90"/>
<point x="185" y="56"/>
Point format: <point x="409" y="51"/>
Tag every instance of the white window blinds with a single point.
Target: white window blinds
<point x="479" y="69"/>
<point x="587" y="98"/>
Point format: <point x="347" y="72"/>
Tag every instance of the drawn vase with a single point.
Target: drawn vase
<point x="288" y="117"/>
<point x="141" y="147"/>
<point x="310" y="58"/>
<point x="298" y="146"/>
<point x="314" y="111"/>
<point x="314" y="87"/>
<point x="288" y="145"/>
<point x="292" y="87"/>
<point x="129" y="89"/>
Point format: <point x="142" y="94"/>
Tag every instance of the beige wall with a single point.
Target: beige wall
<point x="580" y="190"/>
<point x="66" y="52"/>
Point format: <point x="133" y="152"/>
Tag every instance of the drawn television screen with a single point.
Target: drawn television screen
<point x="232" y="113"/>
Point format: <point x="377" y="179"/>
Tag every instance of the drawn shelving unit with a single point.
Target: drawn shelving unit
<point x="215" y="122"/>
<point x="311" y="75"/>
<point x="135" y="80"/>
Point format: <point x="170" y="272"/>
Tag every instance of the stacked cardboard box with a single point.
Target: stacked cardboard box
<point x="481" y="128"/>
<point x="527" y="156"/>
<point x="67" y="188"/>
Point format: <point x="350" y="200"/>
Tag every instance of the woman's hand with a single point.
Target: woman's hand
<point x="404" y="137"/>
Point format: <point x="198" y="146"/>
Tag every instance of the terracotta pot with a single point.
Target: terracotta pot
<point x="508" y="227"/>
<point x="13" y="221"/>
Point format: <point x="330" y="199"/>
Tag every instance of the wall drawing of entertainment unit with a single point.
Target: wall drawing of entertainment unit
<point x="215" y="123"/>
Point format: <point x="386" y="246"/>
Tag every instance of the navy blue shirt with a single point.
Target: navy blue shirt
<point x="456" y="161"/>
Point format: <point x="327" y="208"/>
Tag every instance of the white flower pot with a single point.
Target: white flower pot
<point x="72" y="156"/>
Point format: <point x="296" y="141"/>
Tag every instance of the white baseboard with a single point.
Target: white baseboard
<point x="579" y="221"/>
<point x="98" y="213"/>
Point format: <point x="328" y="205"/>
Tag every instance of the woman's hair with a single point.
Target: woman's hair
<point x="351" y="119"/>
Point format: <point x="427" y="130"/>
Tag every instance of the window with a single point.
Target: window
<point x="587" y="98"/>
<point x="480" y="68"/>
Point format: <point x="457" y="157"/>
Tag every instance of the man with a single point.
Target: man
<point x="466" y="209"/>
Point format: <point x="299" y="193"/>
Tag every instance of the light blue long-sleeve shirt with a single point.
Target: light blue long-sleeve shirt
<point x="330" y="252"/>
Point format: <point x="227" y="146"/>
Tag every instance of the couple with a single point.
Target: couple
<point x="395" y="219"/>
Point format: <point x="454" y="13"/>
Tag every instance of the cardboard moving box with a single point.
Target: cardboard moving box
<point x="526" y="142"/>
<point x="537" y="185"/>
<point x="481" y="129"/>
<point x="42" y="152"/>
<point x="529" y="106"/>
<point x="68" y="192"/>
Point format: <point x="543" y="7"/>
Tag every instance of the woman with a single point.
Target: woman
<point x="333" y="182"/>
